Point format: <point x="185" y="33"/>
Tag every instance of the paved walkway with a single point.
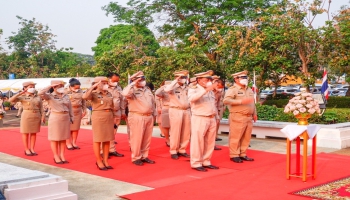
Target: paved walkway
<point x="89" y="186"/>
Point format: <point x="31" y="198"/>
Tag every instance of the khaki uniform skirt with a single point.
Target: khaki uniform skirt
<point x="102" y="126"/>
<point x="59" y="126"/>
<point x="30" y="121"/>
<point x="165" y="118"/>
<point x="77" y="113"/>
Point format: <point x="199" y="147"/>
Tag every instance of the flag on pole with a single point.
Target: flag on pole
<point x="255" y="90"/>
<point x="324" y="88"/>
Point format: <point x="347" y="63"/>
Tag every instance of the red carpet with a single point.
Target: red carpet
<point x="174" y="179"/>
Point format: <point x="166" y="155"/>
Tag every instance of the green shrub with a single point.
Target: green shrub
<point x="280" y="96"/>
<point x="279" y="103"/>
<point x="338" y="102"/>
<point x="7" y="104"/>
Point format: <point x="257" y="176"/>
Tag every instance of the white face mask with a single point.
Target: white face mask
<point x="31" y="90"/>
<point x="183" y="81"/>
<point x="142" y="84"/>
<point x="209" y="84"/>
<point x="243" y="81"/>
<point x="113" y="84"/>
<point x="60" y="90"/>
<point x="105" y="87"/>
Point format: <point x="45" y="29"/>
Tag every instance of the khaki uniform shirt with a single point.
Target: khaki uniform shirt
<point x="233" y="99"/>
<point x="57" y="102"/>
<point x="76" y="98"/>
<point x="118" y="99"/>
<point x="29" y="102"/>
<point x="178" y="95"/>
<point x="99" y="100"/>
<point x="202" y="102"/>
<point x="140" y="100"/>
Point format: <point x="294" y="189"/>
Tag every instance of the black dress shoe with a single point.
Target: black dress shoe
<point x="218" y="139"/>
<point x="70" y="148"/>
<point x="60" y="162"/>
<point x="168" y="145"/>
<point x="246" y="158"/>
<point x="116" y="154"/>
<point x="211" y="167"/>
<point x="33" y="153"/>
<point x="147" y="160"/>
<point x="65" y="162"/>
<point x="76" y="147"/>
<point x="115" y="142"/>
<point x="138" y="162"/>
<point x="201" y="169"/>
<point x="28" y="154"/>
<point x="108" y="167"/>
<point x="216" y="148"/>
<point x="183" y="155"/>
<point x="162" y="135"/>
<point x="174" y="156"/>
<point x="101" y="168"/>
<point x="236" y="160"/>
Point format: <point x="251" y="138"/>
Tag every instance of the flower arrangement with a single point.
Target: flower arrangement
<point x="302" y="104"/>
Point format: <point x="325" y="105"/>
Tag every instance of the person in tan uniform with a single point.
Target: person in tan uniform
<point x="240" y="101"/>
<point x="163" y="111"/>
<point x="60" y="118"/>
<point x="102" y="119"/>
<point x="142" y="111"/>
<point x="219" y="96"/>
<point x="203" y="121"/>
<point x="19" y="107"/>
<point x="179" y="115"/>
<point x="31" y="116"/>
<point x="79" y="110"/>
<point x="119" y="108"/>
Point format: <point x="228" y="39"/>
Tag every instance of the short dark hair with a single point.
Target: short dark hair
<point x="111" y="74"/>
<point x="220" y="81"/>
<point x="73" y="82"/>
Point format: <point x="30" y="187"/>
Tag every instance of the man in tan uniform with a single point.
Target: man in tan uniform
<point x="119" y="108"/>
<point x="179" y="115"/>
<point x="141" y="116"/>
<point x="219" y="96"/>
<point x="240" y="101"/>
<point x="203" y="126"/>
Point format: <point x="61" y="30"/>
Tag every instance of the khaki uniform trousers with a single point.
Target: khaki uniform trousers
<point x="240" y="133"/>
<point x="202" y="140"/>
<point x="141" y="128"/>
<point x="180" y="131"/>
<point x="117" y="119"/>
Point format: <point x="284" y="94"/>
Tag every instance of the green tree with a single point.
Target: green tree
<point x="199" y="23"/>
<point x="119" y="35"/>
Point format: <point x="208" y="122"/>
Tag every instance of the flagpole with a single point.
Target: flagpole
<point x="254" y="85"/>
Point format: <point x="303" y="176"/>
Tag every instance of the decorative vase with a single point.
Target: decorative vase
<point x="302" y="119"/>
<point x="1" y="116"/>
<point x="7" y="108"/>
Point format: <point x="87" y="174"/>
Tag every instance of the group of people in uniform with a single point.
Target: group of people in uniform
<point x="187" y="114"/>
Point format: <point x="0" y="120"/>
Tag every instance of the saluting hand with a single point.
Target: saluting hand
<point x="96" y="84"/>
<point x="24" y="91"/>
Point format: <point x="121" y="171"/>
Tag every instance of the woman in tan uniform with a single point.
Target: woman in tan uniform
<point x="79" y="109"/>
<point x="102" y="119"/>
<point x="60" y="118"/>
<point x="31" y="116"/>
<point x="163" y="111"/>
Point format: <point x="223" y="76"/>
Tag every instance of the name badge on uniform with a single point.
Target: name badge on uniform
<point x="240" y="92"/>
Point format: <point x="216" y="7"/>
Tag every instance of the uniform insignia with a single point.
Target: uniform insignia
<point x="194" y="87"/>
<point x="137" y="93"/>
<point x="240" y="93"/>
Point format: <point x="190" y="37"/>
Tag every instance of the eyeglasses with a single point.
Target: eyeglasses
<point x="142" y="77"/>
<point x="183" y="77"/>
<point x="242" y="77"/>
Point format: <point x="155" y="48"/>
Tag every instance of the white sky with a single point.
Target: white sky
<point x="76" y="23"/>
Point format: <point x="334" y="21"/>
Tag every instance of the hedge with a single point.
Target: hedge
<point x="333" y="102"/>
<point x="272" y="113"/>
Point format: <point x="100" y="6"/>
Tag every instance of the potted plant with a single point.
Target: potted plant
<point x="302" y="106"/>
<point x="7" y="105"/>
<point x="2" y="113"/>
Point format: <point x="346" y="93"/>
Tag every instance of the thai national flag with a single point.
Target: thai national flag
<point x="324" y="88"/>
